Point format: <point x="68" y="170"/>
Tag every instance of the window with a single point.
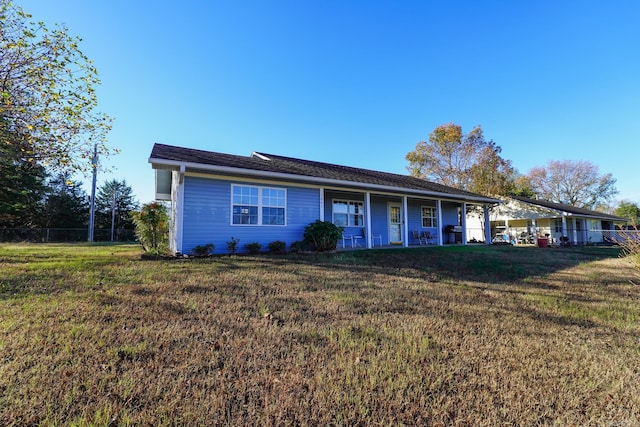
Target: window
<point x="348" y="213"/>
<point x="557" y="224"/>
<point x="258" y="205"/>
<point x="429" y="217"/>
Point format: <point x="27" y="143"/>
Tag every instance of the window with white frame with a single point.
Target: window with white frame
<point x="348" y="213"/>
<point x="557" y="224"/>
<point x="429" y="218"/>
<point x="253" y="205"/>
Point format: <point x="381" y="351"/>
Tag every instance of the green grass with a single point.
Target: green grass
<point x="91" y="335"/>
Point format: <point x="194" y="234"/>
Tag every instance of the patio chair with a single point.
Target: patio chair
<point x="416" y="236"/>
<point x="375" y="237"/>
<point x="428" y="238"/>
<point x="347" y="238"/>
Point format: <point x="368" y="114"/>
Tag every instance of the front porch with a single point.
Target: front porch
<point x="380" y="220"/>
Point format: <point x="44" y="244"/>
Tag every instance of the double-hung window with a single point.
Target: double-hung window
<point x="429" y="218"/>
<point x="253" y="205"/>
<point x="348" y="213"/>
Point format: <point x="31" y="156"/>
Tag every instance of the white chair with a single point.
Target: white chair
<point x="347" y="238"/>
<point x="375" y="237"/>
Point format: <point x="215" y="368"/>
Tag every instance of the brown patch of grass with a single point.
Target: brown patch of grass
<point x="436" y="336"/>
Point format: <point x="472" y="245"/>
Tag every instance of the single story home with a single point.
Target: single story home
<point x="523" y="220"/>
<point x="263" y="198"/>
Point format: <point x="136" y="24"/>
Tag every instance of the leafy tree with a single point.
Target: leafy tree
<point x="521" y="186"/>
<point x="491" y="174"/>
<point x="629" y="210"/>
<point x="468" y="162"/>
<point x="66" y="205"/>
<point x="152" y="227"/>
<point x="122" y="205"/>
<point x="47" y="93"/>
<point x="577" y="183"/>
<point x="23" y="186"/>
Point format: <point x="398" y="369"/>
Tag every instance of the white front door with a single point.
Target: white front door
<point x="395" y="224"/>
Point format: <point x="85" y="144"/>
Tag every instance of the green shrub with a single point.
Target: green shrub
<point x="152" y="227"/>
<point x="203" y="250"/>
<point x="277" y="246"/>
<point x="253" y="247"/>
<point x="297" y="246"/>
<point x="323" y="235"/>
<point x="232" y="245"/>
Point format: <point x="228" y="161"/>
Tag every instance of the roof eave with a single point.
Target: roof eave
<point x="317" y="180"/>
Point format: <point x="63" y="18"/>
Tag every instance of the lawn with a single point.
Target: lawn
<point x="93" y="335"/>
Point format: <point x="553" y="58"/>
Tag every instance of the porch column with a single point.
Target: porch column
<point x="575" y="231"/>
<point x="463" y="219"/>
<point x="321" y="204"/>
<point x="487" y="225"/>
<point x="367" y="213"/>
<point x="405" y="223"/>
<point x="439" y="223"/>
<point x="534" y="231"/>
<point x="564" y="226"/>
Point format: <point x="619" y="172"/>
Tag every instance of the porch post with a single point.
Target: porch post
<point x="463" y="219"/>
<point x="367" y="213"/>
<point x="534" y="231"/>
<point x="405" y="223"/>
<point x="564" y="226"/>
<point x="487" y="225"/>
<point x="575" y="231"/>
<point x="439" y="223"/>
<point x="321" y="204"/>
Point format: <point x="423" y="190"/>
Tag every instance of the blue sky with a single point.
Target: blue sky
<point x="361" y="82"/>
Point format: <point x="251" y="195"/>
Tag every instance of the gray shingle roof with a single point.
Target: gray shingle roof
<point x="569" y="209"/>
<point x="304" y="168"/>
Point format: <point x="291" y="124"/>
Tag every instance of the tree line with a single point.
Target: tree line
<point x="473" y="163"/>
<point x="33" y="197"/>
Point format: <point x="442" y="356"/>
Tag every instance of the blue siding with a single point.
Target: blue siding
<point x="207" y="215"/>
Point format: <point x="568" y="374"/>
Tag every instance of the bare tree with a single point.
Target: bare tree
<point x="577" y="183"/>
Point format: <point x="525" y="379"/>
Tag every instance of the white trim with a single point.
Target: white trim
<point x="178" y="206"/>
<point x="260" y="205"/>
<point x="433" y="218"/>
<point x="294" y="177"/>
<point x="260" y="156"/>
<point x="348" y="202"/>
<point x="402" y="239"/>
<point x="367" y="220"/>
<point x="405" y="222"/>
<point x="463" y="220"/>
<point x="321" y="203"/>
<point x="439" y="210"/>
<point x="259" y="181"/>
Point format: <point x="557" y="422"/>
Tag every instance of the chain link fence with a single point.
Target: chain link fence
<point x="61" y="235"/>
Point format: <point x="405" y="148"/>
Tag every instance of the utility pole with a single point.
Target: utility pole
<point x="113" y="210"/>
<point x="92" y="212"/>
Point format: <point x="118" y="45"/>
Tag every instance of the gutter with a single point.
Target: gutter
<point x="279" y="175"/>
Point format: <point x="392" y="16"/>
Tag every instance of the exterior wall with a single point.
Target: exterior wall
<point x="207" y="215"/>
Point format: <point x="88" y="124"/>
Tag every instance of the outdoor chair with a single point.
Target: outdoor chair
<point x="347" y="238"/>
<point x="375" y="237"/>
<point x="428" y="238"/>
<point x="416" y="236"/>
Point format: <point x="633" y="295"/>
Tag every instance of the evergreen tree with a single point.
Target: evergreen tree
<point x="22" y="189"/>
<point x="67" y="205"/>
<point x="115" y="200"/>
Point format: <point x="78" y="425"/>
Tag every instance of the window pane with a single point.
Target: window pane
<point x="340" y="219"/>
<point x="245" y="215"/>
<point x="272" y="216"/>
